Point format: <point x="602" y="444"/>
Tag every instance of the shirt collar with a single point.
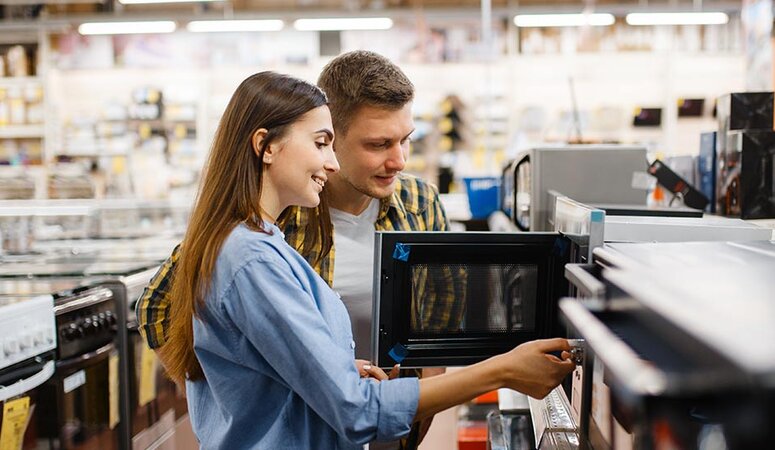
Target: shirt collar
<point x="394" y="201"/>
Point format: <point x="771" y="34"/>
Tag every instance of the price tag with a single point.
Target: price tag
<point x="148" y="367"/>
<point x="113" y="413"/>
<point x="15" y="418"/>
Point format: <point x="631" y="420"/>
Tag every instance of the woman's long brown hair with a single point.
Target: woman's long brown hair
<point x="229" y="194"/>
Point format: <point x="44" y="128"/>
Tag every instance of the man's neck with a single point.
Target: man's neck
<point x="344" y="197"/>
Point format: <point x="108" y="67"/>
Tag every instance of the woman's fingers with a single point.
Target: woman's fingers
<point x="375" y="372"/>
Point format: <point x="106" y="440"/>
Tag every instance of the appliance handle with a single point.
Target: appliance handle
<point x="91" y="357"/>
<point x="586" y="283"/>
<point x="524" y="159"/>
<point x="634" y="373"/>
<point x="27" y="384"/>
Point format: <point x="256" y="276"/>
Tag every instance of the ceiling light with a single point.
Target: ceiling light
<point x="682" y="18"/>
<point x="214" y="26"/>
<point x="360" y="23"/>
<point x="564" y="20"/>
<point x="149" y="27"/>
<point x="145" y="2"/>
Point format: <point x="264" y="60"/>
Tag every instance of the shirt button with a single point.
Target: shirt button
<point x="352" y="345"/>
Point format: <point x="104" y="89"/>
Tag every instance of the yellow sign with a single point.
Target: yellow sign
<point x="113" y="412"/>
<point x="15" y="419"/>
<point x="147" y="384"/>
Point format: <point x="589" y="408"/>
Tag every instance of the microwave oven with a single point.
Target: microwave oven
<point x="596" y="174"/>
<point x="451" y="299"/>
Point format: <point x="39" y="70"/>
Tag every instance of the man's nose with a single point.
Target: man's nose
<point x="397" y="158"/>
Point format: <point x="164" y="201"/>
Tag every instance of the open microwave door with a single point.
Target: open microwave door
<point x="451" y="299"/>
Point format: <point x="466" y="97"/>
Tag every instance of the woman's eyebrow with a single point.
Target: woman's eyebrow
<point x="328" y="132"/>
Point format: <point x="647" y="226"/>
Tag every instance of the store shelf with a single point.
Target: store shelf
<point x="21" y="131"/>
<point x="19" y="81"/>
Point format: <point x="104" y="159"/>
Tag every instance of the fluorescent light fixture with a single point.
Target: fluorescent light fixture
<point x="215" y="26"/>
<point x="677" y="18"/>
<point x="150" y="27"/>
<point x="564" y="20"/>
<point x="356" y="23"/>
<point x="145" y="2"/>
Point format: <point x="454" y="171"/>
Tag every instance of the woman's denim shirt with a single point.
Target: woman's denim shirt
<point x="276" y="347"/>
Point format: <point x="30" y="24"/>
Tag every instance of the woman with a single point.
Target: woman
<point x="268" y="362"/>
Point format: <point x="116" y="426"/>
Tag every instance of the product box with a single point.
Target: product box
<point x="706" y="168"/>
<point x="745" y="186"/>
<point x="745" y="111"/>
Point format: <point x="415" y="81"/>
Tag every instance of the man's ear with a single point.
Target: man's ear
<point x="257" y="141"/>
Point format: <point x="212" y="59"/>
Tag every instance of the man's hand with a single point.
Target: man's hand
<point x="368" y="370"/>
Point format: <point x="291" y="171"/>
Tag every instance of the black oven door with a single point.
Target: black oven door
<point x="453" y="299"/>
<point x="20" y="402"/>
<point x="81" y="402"/>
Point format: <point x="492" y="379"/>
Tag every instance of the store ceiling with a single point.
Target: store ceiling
<point x="33" y="9"/>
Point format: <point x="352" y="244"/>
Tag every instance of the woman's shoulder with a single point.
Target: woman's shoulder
<point x="245" y="245"/>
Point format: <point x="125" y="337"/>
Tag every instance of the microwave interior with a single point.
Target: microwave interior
<point x="452" y="299"/>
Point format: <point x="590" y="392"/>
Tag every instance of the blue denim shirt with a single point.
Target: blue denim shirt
<point x="276" y="347"/>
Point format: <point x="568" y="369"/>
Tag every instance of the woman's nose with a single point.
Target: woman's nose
<point x="330" y="163"/>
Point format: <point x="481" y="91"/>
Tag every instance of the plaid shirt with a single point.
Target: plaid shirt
<point x="414" y="206"/>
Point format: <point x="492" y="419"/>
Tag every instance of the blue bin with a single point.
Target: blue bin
<point x="483" y="195"/>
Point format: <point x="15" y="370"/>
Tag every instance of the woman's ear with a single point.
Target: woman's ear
<point x="257" y="141"/>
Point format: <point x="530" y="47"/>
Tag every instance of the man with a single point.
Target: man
<point x="370" y="100"/>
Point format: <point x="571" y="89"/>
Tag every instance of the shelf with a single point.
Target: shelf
<point x="21" y="131"/>
<point x="19" y="81"/>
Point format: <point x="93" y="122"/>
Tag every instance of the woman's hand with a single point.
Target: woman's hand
<point x="367" y="370"/>
<point x="531" y="368"/>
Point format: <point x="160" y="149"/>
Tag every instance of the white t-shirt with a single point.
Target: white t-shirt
<point x="354" y="270"/>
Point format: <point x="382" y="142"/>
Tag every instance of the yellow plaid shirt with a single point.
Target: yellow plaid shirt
<point x="414" y="206"/>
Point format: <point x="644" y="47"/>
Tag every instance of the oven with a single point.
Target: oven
<point x="28" y="337"/>
<point x="452" y="299"/>
<point x="677" y="346"/>
<point x="80" y="402"/>
<point x="155" y="406"/>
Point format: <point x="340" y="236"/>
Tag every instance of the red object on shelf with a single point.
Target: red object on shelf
<point x="472" y="437"/>
<point x="490" y="397"/>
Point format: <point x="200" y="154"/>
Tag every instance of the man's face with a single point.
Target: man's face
<point x="374" y="149"/>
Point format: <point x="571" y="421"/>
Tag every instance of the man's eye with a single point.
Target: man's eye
<point x="321" y="144"/>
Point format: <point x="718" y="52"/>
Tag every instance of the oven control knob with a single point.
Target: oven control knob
<point x="39" y="336"/>
<point x="72" y="333"/>
<point x="11" y="346"/>
<point x="25" y="341"/>
<point x="88" y="328"/>
<point x="111" y="318"/>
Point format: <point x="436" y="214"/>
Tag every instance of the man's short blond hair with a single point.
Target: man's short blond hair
<point x="362" y="78"/>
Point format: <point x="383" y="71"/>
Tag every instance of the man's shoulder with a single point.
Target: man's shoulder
<point x="416" y="194"/>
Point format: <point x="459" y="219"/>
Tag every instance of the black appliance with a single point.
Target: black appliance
<point x="81" y="401"/>
<point x="677" y="347"/>
<point x="747" y="180"/>
<point x="451" y="299"/>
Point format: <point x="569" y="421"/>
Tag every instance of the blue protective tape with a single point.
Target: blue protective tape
<point x="401" y="252"/>
<point x="398" y="353"/>
<point x="596" y="216"/>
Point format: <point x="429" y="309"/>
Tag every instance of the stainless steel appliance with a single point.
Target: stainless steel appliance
<point x="28" y="340"/>
<point x="678" y="347"/>
<point x="450" y="299"/>
<point x="591" y="174"/>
